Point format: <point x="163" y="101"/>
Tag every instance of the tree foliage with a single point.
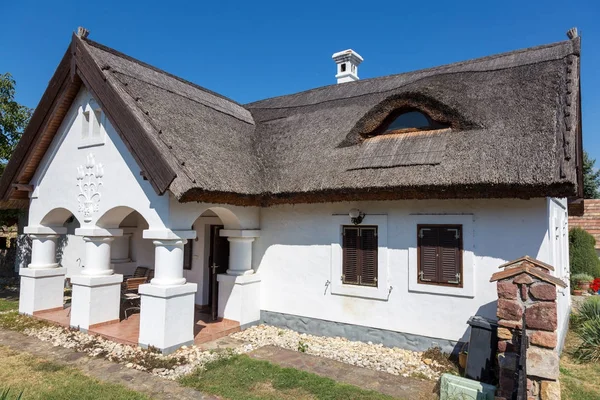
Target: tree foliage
<point x="591" y="178"/>
<point x="582" y="253"/>
<point x="13" y="120"/>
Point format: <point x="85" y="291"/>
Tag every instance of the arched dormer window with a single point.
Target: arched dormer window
<point x="404" y="121"/>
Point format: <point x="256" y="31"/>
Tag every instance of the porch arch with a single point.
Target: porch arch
<point x="57" y="217"/>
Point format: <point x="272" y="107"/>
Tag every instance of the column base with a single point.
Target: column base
<point x="96" y="300"/>
<point x="239" y="297"/>
<point x="167" y="316"/>
<point x="41" y="289"/>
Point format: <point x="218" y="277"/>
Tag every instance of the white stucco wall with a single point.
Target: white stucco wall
<point x="296" y="252"/>
<point x="295" y="249"/>
<point x="56" y="185"/>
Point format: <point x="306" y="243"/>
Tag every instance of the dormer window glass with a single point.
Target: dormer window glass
<point x="409" y="121"/>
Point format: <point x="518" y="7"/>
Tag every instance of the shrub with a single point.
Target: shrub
<point x="582" y="253"/>
<point x="589" y="310"/>
<point x="580" y="277"/>
<point x="589" y="349"/>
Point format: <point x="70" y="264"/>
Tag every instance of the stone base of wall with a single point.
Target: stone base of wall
<point x="388" y="338"/>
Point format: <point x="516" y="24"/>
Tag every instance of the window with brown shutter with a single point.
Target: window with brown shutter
<point x="359" y="260"/>
<point x="187" y="254"/>
<point x="439" y="255"/>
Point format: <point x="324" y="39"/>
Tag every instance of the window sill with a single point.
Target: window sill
<point x="440" y="289"/>
<point x="369" y="292"/>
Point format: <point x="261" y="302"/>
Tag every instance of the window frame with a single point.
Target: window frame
<point x="189" y="257"/>
<point x="467" y="220"/>
<point x="460" y="257"/>
<point x="382" y="129"/>
<point x="360" y="264"/>
<point x="334" y="232"/>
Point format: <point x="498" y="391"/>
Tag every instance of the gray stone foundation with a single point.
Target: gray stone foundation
<point x="355" y="332"/>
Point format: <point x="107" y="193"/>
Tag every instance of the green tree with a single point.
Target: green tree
<point x="582" y="253"/>
<point x="591" y="178"/>
<point x="13" y="120"/>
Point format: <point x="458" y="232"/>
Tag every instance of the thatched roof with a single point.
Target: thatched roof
<point x="514" y="131"/>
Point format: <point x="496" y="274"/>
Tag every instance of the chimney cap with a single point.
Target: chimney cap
<point x="346" y="55"/>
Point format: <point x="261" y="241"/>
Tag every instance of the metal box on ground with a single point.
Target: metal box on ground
<point x="483" y="344"/>
<point x="456" y="387"/>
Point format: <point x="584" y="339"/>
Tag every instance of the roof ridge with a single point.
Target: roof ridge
<point x="423" y="70"/>
<point x="161" y="71"/>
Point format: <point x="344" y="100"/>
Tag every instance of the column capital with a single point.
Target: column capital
<point x="45" y="230"/>
<point x="94" y="231"/>
<point x="240" y="233"/>
<point x="168" y="234"/>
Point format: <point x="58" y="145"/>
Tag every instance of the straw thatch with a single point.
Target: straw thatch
<point x="512" y="130"/>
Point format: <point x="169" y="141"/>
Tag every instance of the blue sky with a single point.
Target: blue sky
<point x="256" y="49"/>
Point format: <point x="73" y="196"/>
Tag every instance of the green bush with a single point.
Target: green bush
<point x="589" y="310"/>
<point x="589" y="349"/>
<point x="582" y="253"/>
<point x="577" y="279"/>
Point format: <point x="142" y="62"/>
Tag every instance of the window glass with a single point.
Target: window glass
<point x="411" y="119"/>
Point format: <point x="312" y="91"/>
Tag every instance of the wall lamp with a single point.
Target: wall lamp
<point x="356" y="216"/>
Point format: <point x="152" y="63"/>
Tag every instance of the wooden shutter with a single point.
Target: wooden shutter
<point x="440" y="254"/>
<point x="350" y="256"/>
<point x="368" y="256"/>
<point x="449" y="255"/>
<point x="428" y="246"/>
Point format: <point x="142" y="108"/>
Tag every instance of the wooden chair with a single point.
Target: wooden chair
<point x="130" y="298"/>
<point x="138" y="273"/>
<point x="150" y="274"/>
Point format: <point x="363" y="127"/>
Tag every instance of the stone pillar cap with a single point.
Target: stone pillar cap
<point x="523" y="259"/>
<point x="526" y="269"/>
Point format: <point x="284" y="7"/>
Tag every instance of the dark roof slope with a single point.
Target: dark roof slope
<point x="514" y="131"/>
<point x="520" y="141"/>
<point x="207" y="136"/>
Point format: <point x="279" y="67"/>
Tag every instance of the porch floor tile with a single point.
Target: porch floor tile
<point x="127" y="330"/>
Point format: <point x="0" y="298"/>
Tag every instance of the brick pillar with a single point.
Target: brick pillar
<point x="526" y="286"/>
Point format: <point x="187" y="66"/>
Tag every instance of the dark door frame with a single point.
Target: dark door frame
<point x="218" y="262"/>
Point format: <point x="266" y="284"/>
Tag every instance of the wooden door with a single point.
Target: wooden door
<point x="218" y="262"/>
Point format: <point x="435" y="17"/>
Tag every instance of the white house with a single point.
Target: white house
<point x="374" y="209"/>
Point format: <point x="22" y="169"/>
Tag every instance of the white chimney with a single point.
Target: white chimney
<point x="347" y="65"/>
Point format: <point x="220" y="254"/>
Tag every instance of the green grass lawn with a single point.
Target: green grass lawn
<point x="41" y="379"/>
<point x="578" y="381"/>
<point x="243" y="378"/>
<point x="8" y="304"/>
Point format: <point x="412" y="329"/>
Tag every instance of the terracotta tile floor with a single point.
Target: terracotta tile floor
<point x="127" y="331"/>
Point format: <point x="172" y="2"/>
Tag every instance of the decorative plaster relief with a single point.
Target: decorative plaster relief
<point x="88" y="181"/>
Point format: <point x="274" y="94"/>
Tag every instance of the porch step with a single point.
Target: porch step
<point x="210" y="336"/>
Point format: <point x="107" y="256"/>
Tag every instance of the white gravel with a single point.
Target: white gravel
<point x="180" y="363"/>
<point x="394" y="360"/>
<point x="368" y="355"/>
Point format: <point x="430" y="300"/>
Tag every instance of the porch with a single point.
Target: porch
<point x="127" y="331"/>
<point x="182" y="270"/>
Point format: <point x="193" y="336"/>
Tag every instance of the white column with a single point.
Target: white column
<point x="43" y="251"/>
<point x="97" y="256"/>
<point x="97" y="291"/>
<point x="167" y="315"/>
<point x="239" y="289"/>
<point x="168" y="262"/>
<point x="240" y="256"/>
<point x="120" y="249"/>
<point x="42" y="282"/>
